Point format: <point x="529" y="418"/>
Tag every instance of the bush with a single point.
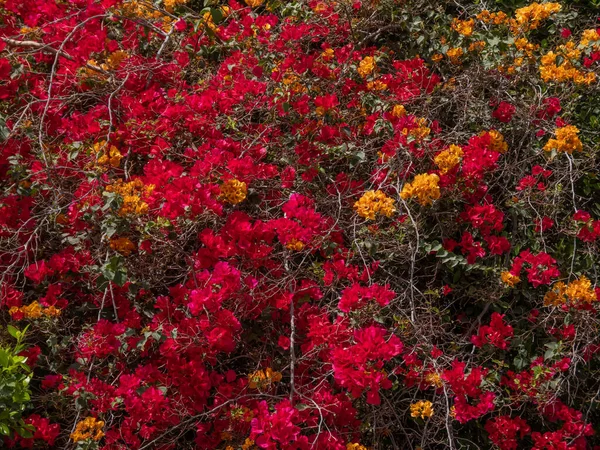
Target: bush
<point x="329" y="224"/>
<point x="15" y="394"/>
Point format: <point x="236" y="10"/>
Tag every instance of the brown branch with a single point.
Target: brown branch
<point x="46" y="47"/>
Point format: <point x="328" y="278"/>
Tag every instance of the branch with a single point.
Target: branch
<point x="46" y="47"/>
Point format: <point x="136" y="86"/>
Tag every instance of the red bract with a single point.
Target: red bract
<point x="497" y="333"/>
<point x="277" y="430"/>
<point x="541" y="267"/>
<point x="504" y="431"/>
<point x="44" y="431"/>
<point x="359" y="367"/>
<point x="466" y="389"/>
<point x="356" y="296"/>
<point x="504" y="112"/>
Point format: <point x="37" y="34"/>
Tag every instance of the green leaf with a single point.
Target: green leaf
<point x="217" y="15"/>
<point x="4" y="358"/>
<point x="14" y="332"/>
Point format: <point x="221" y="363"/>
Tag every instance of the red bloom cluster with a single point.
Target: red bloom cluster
<point x="497" y="333"/>
<point x="541" y="268"/>
<point x="504" y="112"/>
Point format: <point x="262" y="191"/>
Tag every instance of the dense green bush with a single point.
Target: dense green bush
<point x="15" y="395"/>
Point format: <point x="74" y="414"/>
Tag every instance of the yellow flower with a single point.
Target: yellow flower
<point x="356" y="446"/>
<point x="496" y="18"/>
<point x="497" y="142"/>
<point x="523" y="45"/>
<point x="131" y="194"/>
<point x="328" y="54"/>
<point x="248" y="443"/>
<point x="581" y="291"/>
<point x="477" y="46"/>
<point x="530" y="17"/>
<point x="254" y="3"/>
<point x="454" y="54"/>
<point x="89" y="428"/>
<point x="434" y="379"/>
<point x="295" y="244"/>
<point x="111" y="157"/>
<point x="464" y="27"/>
<point x="208" y="18"/>
<point x="419" y="133"/>
<point x="170" y="4"/>
<point x="565" y="71"/>
<point x="263" y="378"/>
<point x="421" y="409"/>
<point x="424" y="188"/>
<point x="437" y="57"/>
<point x="34" y="311"/>
<point x="234" y="191"/>
<point x="449" y="158"/>
<point x="114" y="60"/>
<point x="52" y="311"/>
<point x="376" y="85"/>
<point x="509" y="279"/>
<point x="555" y="296"/>
<point x="567" y="140"/>
<point x="226" y="436"/>
<point x="576" y="292"/>
<point x="373" y="203"/>
<point x="398" y="111"/>
<point x="366" y="66"/>
<point x="122" y="245"/>
<point x="589" y="36"/>
<point x="31" y="311"/>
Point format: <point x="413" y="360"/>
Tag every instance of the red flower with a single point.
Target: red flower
<point x="504" y="112"/>
<point x="565" y="33"/>
<point x="503" y="431"/>
<point x="497" y="333"/>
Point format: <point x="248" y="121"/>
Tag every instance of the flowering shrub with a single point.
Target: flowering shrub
<point x="308" y="224"/>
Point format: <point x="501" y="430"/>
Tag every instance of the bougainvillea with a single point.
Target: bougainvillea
<point x="307" y="224"/>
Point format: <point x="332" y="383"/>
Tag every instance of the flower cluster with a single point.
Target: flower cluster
<point x="510" y="279"/>
<point x="107" y="155"/>
<point x="504" y="430"/>
<point x="373" y="203"/>
<point x="590" y="229"/>
<point x="531" y="16"/>
<point x="366" y="66"/>
<point x="33" y="311"/>
<point x="497" y="333"/>
<point x="559" y="66"/>
<point x="504" y="112"/>
<point x="88" y="429"/>
<point x="576" y="293"/>
<point x="234" y="191"/>
<point x="448" y="159"/>
<point x="542" y="268"/>
<point x="566" y="140"/>
<point x="132" y="194"/>
<point x="122" y="245"/>
<point x="464" y="27"/>
<point x="421" y="409"/>
<point x="262" y="379"/>
<point x="355" y="446"/>
<point x="424" y="187"/>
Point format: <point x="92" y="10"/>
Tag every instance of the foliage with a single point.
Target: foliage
<point x="14" y="387"/>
